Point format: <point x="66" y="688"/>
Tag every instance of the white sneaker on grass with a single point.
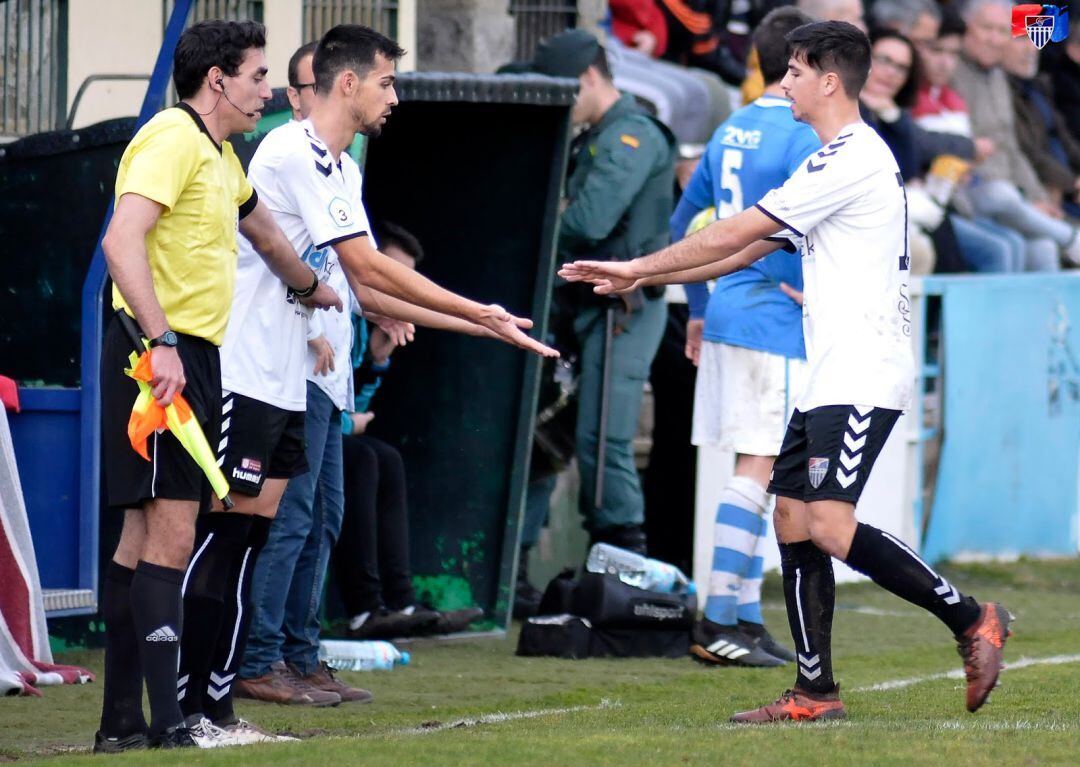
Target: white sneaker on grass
<point x="206" y="734"/>
<point x="243" y="733"/>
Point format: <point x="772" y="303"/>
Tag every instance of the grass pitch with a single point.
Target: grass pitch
<point x="473" y="702"/>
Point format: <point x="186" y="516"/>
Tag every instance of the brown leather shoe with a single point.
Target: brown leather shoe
<point x="281" y="685"/>
<point x="323" y="679"/>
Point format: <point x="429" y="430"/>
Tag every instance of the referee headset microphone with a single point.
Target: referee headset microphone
<point x="221" y="84"/>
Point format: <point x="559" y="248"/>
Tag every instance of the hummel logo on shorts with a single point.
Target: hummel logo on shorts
<point x="163" y="634"/>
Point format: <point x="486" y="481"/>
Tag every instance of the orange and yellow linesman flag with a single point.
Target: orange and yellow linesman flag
<point x="147" y="416"/>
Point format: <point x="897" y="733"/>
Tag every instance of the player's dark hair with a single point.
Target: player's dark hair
<point x="389" y="234"/>
<point x="905" y="97"/>
<point x="601" y="64"/>
<point x="307" y="49"/>
<point x="833" y="46"/>
<point x="213" y="44"/>
<point x="952" y="23"/>
<point x="350" y="47"/>
<point x="770" y="40"/>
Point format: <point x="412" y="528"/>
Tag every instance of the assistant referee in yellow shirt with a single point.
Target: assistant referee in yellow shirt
<point x="171" y="251"/>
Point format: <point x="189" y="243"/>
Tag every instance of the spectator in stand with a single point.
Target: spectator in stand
<point x="984" y="245"/>
<point x="850" y="11"/>
<point x="917" y="20"/>
<point x="938" y="107"/>
<point x="640" y="25"/>
<point x="888" y="96"/>
<point x="955" y="243"/>
<point x="371" y="558"/>
<point x="1040" y="128"/>
<point x="1005" y="187"/>
<point x="1062" y="61"/>
<point x="695" y="37"/>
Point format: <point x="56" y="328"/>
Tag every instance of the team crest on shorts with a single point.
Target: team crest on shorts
<point x="817" y="469"/>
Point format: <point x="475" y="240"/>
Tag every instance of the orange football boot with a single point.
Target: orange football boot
<point x="981" y="647"/>
<point x="796" y="706"/>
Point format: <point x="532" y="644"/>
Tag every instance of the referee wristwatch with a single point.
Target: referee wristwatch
<point x="168" y="338"/>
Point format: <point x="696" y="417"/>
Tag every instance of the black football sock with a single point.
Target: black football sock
<point x="121" y="708"/>
<point x="893" y="565"/>
<point x="157" y="611"/>
<point x="236" y="614"/>
<point x="810" y="593"/>
<point x="219" y="538"/>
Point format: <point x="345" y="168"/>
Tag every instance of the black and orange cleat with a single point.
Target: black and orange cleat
<point x="796" y="706"/>
<point x="981" y="647"/>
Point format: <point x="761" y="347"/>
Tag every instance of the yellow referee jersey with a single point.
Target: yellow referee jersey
<point x="192" y="248"/>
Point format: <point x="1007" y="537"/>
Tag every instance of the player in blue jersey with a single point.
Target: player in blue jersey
<point x="746" y="339"/>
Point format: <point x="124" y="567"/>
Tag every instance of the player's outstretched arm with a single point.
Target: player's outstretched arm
<point x="365" y="266"/>
<point x="716" y="242"/>
<point x="275" y="249"/>
<point x="375" y="302"/>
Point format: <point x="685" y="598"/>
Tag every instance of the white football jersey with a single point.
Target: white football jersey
<point x="338" y="330"/>
<point x="848" y="204"/>
<point x="317" y="203"/>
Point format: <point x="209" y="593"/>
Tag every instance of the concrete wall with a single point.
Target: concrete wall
<point x="123" y="37"/>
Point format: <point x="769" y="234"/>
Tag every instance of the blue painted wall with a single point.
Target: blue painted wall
<point x="1008" y="479"/>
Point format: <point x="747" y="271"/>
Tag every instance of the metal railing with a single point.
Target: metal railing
<point x="321" y="15"/>
<point x="536" y="19"/>
<point x="33" y="65"/>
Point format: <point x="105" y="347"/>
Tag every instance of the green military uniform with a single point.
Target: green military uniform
<point x="620" y="197"/>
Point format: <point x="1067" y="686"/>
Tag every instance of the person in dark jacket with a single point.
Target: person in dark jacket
<point x="1040" y="128"/>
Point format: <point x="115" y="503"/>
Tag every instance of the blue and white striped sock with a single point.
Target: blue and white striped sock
<point x="749" y="609"/>
<point x="740" y="526"/>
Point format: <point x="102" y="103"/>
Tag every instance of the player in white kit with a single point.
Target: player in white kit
<point x="848" y="208"/>
<point x="313" y="188"/>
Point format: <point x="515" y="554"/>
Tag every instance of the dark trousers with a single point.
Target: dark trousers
<point x="372" y="555"/>
<point x="670" y="479"/>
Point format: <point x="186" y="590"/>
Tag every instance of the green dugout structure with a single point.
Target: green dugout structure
<point x="472" y="165"/>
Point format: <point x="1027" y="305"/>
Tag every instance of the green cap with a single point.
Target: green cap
<point x="566" y="54"/>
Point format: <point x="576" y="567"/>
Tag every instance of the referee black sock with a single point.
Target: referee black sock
<point x="810" y="592"/>
<point x="228" y="652"/>
<point x="157" y="612"/>
<point x="219" y="538"/>
<point x="121" y="707"/>
<point x="893" y="565"/>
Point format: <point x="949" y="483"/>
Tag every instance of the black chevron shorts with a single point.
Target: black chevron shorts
<point x="828" y="452"/>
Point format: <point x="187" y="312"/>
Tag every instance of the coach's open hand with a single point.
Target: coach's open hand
<point x="608" y="277"/>
<point x="510" y="329"/>
<point x="324" y="297"/>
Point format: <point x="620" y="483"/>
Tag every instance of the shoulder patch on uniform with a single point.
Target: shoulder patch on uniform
<point x="631" y="141"/>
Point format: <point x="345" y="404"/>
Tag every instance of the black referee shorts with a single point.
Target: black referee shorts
<point x="828" y="452"/>
<point x="259" y="441"/>
<point x="170" y="473"/>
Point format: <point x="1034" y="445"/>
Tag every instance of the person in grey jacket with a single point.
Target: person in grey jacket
<point x="1005" y="187"/>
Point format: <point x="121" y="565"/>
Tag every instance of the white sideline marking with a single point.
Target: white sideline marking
<point x="899" y="684"/>
<point x="499" y="717"/>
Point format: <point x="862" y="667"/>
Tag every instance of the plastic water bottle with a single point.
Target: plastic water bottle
<point x="357" y="655"/>
<point x="637" y="570"/>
